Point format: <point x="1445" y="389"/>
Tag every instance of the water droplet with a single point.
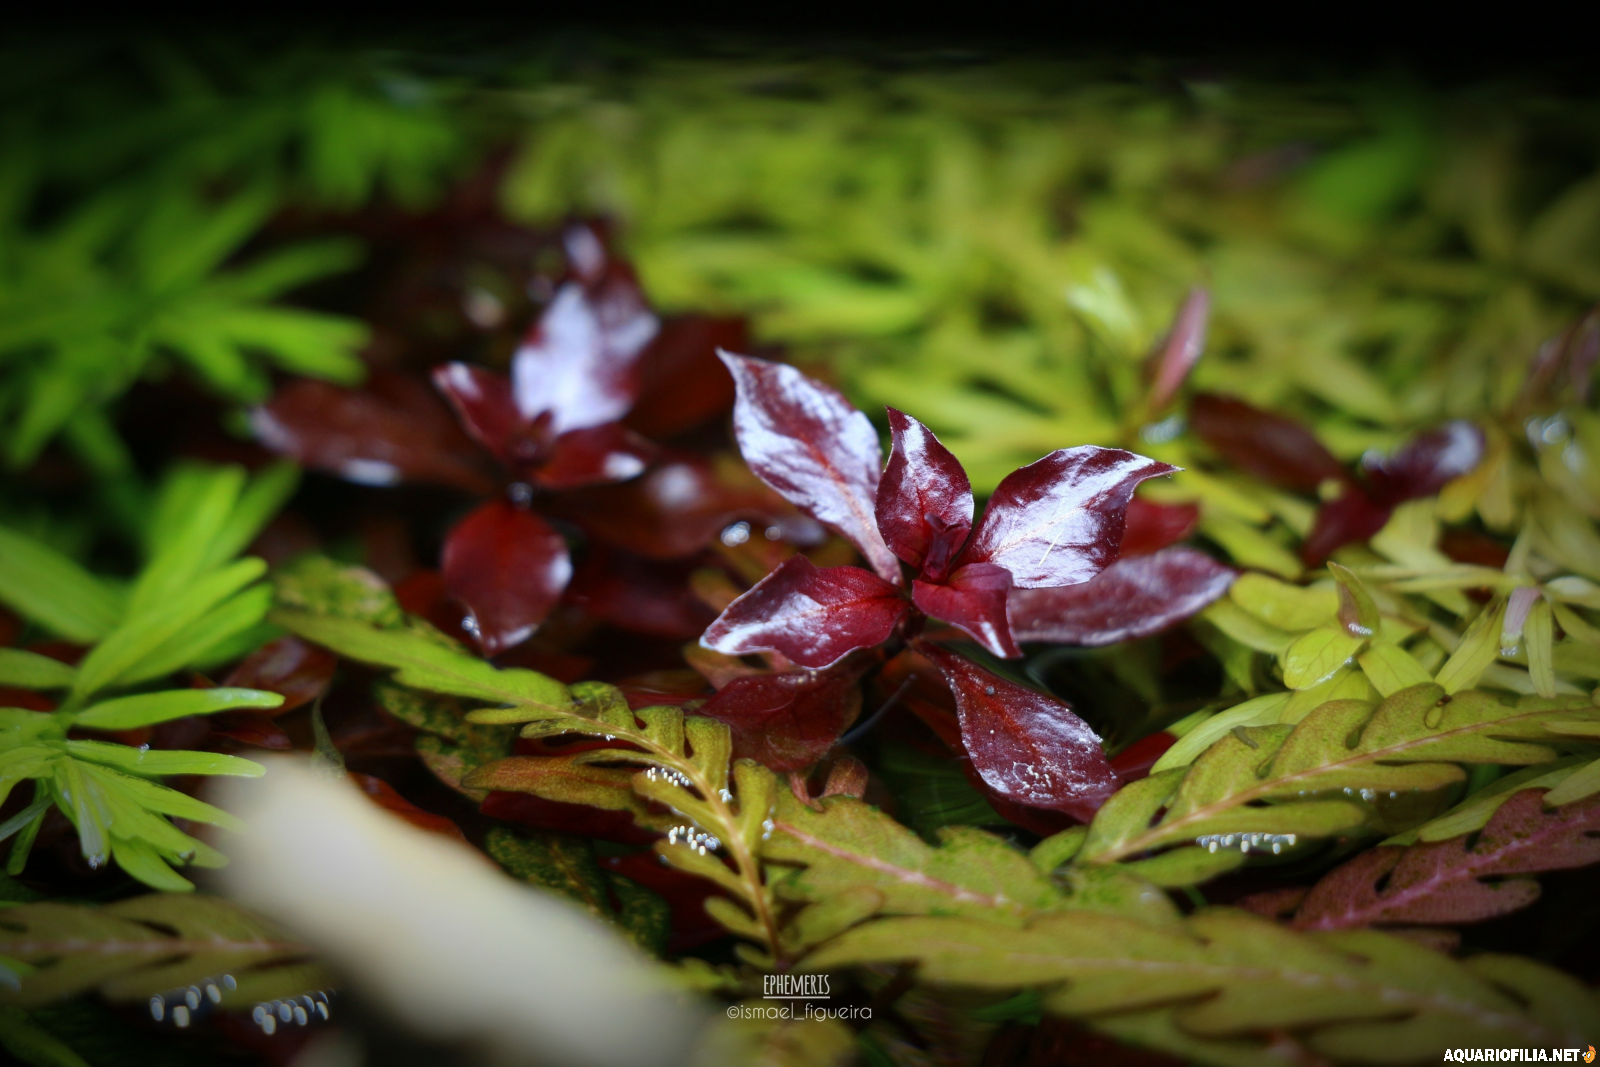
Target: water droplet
<point x="158" y="1008"/>
<point x="180" y="1015"/>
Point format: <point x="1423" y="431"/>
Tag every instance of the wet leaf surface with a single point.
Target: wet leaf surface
<point x="812" y="615"/>
<point x="1426" y="463"/>
<point x="1059" y="521"/>
<point x="392" y="430"/>
<point x="788" y="721"/>
<point x="924" y="502"/>
<point x="1029" y="748"/>
<point x="814" y="448"/>
<point x="1131" y="598"/>
<point x="508" y="568"/>
<point x="974" y="599"/>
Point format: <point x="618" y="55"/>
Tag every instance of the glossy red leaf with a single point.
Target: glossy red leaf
<point x="813" y="616"/>
<point x="1135" y="761"/>
<point x="298" y="671"/>
<point x="1152" y="527"/>
<point x="1029" y="748"/>
<point x="787" y="721"/>
<point x="1059" y="521"/>
<point x="1348" y="518"/>
<point x="924" y="502"/>
<point x="596" y="455"/>
<point x="817" y="451"/>
<point x="393" y="430"/>
<point x="483" y="402"/>
<point x="1440" y="881"/>
<point x="1131" y="598"/>
<point x="508" y="568"/>
<point x="682" y="383"/>
<point x="680" y="506"/>
<point x="1276" y="449"/>
<point x="974" y="600"/>
<point x="1423" y="465"/>
<point x="580" y="361"/>
<point x="639" y="595"/>
<point x="1182" y="349"/>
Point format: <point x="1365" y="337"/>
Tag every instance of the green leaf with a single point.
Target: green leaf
<point x="850" y="844"/>
<point x="149" y="945"/>
<point x="567" y="865"/>
<point x="318" y="586"/>
<point x="215" y="630"/>
<point x="47" y="587"/>
<point x="1314" y="657"/>
<point x="158" y="762"/>
<point x="29" y="670"/>
<point x="1479" y="647"/>
<point x="421" y="662"/>
<point x="147" y="709"/>
<point x="1391" y="668"/>
<point x="139" y="636"/>
<point x="1285" y="606"/>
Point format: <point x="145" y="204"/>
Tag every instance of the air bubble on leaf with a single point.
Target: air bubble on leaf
<point x="737" y="534"/>
<point x="1159" y="433"/>
<point x="521" y="493"/>
<point x="369" y="472"/>
<point x="158" y="1008"/>
<point x="180" y="1016"/>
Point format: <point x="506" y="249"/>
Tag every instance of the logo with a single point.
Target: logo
<point x="794" y="987"/>
<point x="1588" y="1057"/>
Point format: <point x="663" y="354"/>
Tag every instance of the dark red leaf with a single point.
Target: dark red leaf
<point x="924" y="502"/>
<point x="298" y="671"/>
<point x="1131" y="598"/>
<point x="1350" y="517"/>
<point x="529" y="810"/>
<point x="680" y="506"/>
<point x="813" y="616"/>
<point x="394" y="430"/>
<point x="580" y="361"/>
<point x="508" y="568"/>
<point x="1273" y="448"/>
<point x="1029" y="748"/>
<point x="383" y="794"/>
<point x="1152" y="527"/>
<point x="682" y="383"/>
<point x="1182" y="350"/>
<point x="975" y="600"/>
<point x="685" y="894"/>
<point x="1135" y="761"/>
<point x="821" y="454"/>
<point x="1426" y="463"/>
<point x="483" y="402"/>
<point x="787" y="721"/>
<point x="1059" y="521"/>
<point x="639" y="595"/>
<point x="1470" y="546"/>
<point x="1439" y="881"/>
<point x="251" y="728"/>
<point x="595" y="455"/>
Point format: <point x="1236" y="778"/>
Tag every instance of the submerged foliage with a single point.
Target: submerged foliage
<point x="1254" y="722"/>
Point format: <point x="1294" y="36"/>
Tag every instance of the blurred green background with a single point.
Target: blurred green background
<point x="994" y="243"/>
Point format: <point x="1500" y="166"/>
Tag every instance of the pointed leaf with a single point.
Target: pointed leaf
<point x="29" y="670"/>
<point x="1029" y="748"/>
<point x="595" y="455"/>
<point x="1152" y="527"/>
<point x="41" y="584"/>
<point x="1131" y="598"/>
<point x="580" y="361"/>
<point x="508" y="568"/>
<point x="1275" y="449"/>
<point x="682" y="383"/>
<point x="1059" y="521"/>
<point x="807" y="442"/>
<point x="1349" y="518"/>
<point x="974" y="599"/>
<point x="488" y="412"/>
<point x="924" y="502"/>
<point x="813" y="616"/>
<point x="787" y="721"/>
<point x="392" y="430"/>
<point x="146" y="709"/>
<point x="1184" y="346"/>
<point x="1423" y="465"/>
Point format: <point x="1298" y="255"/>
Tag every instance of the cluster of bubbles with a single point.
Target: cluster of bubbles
<point x="698" y="840"/>
<point x="304" y="1010"/>
<point x="1246" y="842"/>
<point x="185" y="1004"/>
<point x="667" y="774"/>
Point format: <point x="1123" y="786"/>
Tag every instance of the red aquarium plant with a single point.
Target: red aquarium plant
<point x="597" y="371"/>
<point x="1056" y="523"/>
